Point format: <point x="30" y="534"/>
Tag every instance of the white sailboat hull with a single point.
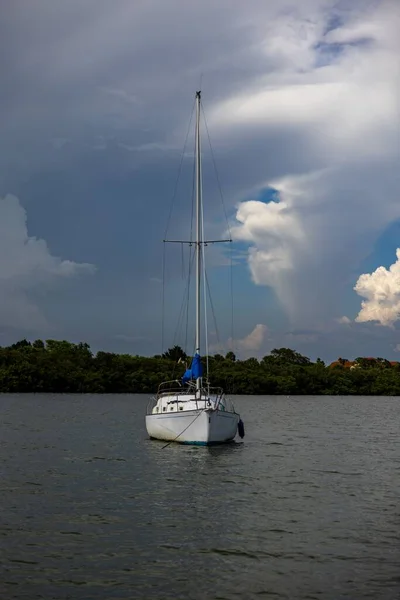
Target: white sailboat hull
<point x="201" y="427"/>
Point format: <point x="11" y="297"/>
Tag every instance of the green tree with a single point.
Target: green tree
<point x="231" y="356"/>
<point x="62" y="366"/>
<point x="176" y="353"/>
<point x="38" y="345"/>
<point x="218" y="357"/>
<point x="288" y="356"/>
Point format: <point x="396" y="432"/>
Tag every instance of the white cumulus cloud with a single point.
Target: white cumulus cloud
<point x="273" y="229"/>
<point x="344" y="320"/>
<point x="254" y="340"/>
<point x="26" y="267"/>
<point x="336" y="172"/>
<point x="249" y="345"/>
<point x="381" y="290"/>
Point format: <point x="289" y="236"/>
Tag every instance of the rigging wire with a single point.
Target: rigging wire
<point x="232" y="301"/>
<point x="163" y="300"/>
<point x="190" y="252"/>
<point x="182" y="308"/>
<point x="204" y="284"/>
<point x="227" y="223"/>
<point x="181" y="315"/>
<point x="179" y="173"/>
<point x="216" y="172"/>
<point x="167" y="228"/>
<point x="189" y="279"/>
<point x="213" y="312"/>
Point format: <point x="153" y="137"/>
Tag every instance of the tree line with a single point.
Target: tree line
<point x="63" y="367"/>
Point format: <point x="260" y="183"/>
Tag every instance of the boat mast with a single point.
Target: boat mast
<point x="198" y="230"/>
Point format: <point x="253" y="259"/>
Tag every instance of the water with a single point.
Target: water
<point x="306" y="507"/>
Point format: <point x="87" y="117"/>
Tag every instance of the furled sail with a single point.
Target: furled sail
<point x="195" y="371"/>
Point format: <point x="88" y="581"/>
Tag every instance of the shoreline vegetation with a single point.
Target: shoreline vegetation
<point x="63" y="367"/>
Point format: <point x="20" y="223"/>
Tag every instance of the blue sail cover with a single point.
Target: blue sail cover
<point x="195" y="371"/>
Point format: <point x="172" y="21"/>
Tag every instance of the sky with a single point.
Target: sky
<point x="302" y="102"/>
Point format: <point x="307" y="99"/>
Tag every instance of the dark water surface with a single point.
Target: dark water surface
<point x="307" y="507"/>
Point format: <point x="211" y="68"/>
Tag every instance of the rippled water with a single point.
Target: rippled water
<point x="306" y="507"/>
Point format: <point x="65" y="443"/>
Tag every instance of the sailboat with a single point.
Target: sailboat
<point x="188" y="410"/>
